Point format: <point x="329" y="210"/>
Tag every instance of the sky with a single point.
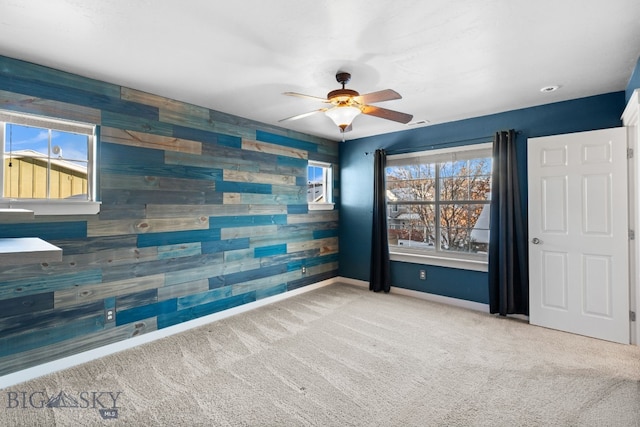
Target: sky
<point x="73" y="146"/>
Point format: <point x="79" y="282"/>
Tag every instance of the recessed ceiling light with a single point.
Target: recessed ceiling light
<point x="550" y="88"/>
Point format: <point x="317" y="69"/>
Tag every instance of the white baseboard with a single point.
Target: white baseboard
<point x="86" y="356"/>
<point x="471" y="305"/>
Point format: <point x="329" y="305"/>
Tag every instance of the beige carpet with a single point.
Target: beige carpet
<point x="344" y="356"/>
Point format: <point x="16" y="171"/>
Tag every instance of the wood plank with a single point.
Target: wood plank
<point x="26" y="285"/>
<point x="33" y="73"/>
<point x="262" y="178"/>
<point x="83" y="294"/>
<point x="158" y="196"/>
<point x="296" y="191"/>
<point x="55" y="351"/>
<point x="326" y="246"/>
<point x="149" y="225"/>
<point x="136" y="299"/>
<point x="271" y="250"/>
<point x="48" y="230"/>
<point x="149" y="268"/>
<point x="265" y="147"/>
<point x="145" y="312"/>
<point x="108" y="258"/>
<point x="148" y="140"/>
<point x="46" y="336"/>
<point x="286" y="141"/>
<point x="232" y="199"/>
<point x="203" y="298"/>
<point x="95" y="244"/>
<point x="246" y="220"/>
<point x="210" y="270"/>
<point x="210" y="210"/>
<point x="52" y="318"/>
<point x="238" y="232"/>
<point x="45" y="107"/>
<point x="265" y="283"/>
<point x="183" y="289"/>
<point x="180" y="110"/>
<point x="109" y="211"/>
<point x="25" y="304"/>
<point x="166" y="320"/>
<point x="213" y="210"/>
<point x="180" y="250"/>
<point x="294" y="260"/>
<point x="225" y="245"/>
<point x="136" y="123"/>
<point x="239" y="255"/>
<point x="177" y="237"/>
<point x="260" y="272"/>
<point x="264" y="199"/>
<point x="218" y="162"/>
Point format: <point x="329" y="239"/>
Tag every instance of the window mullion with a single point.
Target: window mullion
<point x="48" y="183"/>
<point x="437" y="209"/>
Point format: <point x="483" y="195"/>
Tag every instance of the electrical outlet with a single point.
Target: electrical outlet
<point x="110" y="315"/>
<point x="304" y="270"/>
<point x="423" y="274"/>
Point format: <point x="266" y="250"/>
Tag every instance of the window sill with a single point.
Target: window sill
<point x="321" y="206"/>
<point x="441" y="261"/>
<point x="53" y="207"/>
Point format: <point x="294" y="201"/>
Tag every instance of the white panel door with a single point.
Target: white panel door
<point x="578" y="233"/>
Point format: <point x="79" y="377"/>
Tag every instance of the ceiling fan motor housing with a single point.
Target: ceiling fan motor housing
<point x="342" y="96"/>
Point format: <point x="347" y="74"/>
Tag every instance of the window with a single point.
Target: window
<point x="48" y="165"/>
<point x="319" y="186"/>
<point x="438" y="206"/>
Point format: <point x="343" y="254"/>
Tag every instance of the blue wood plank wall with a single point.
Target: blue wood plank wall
<point x="201" y="211"/>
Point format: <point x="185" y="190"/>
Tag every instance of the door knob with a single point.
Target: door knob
<point x="535" y="241"/>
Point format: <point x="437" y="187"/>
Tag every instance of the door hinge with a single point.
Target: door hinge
<point x="632" y="235"/>
<point x="632" y="316"/>
<point x="629" y="153"/>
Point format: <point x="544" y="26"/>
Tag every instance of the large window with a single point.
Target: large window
<point x="48" y="165"/>
<point x="438" y="206"/>
<point x="319" y="186"/>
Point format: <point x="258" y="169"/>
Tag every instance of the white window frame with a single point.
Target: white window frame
<point x="327" y="183"/>
<point x="440" y="258"/>
<point x="52" y="206"/>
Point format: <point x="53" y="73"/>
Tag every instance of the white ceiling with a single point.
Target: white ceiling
<point x="449" y="59"/>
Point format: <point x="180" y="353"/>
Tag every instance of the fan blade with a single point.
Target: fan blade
<point x="382" y="95"/>
<point x="384" y="113"/>
<point x="300" y="95"/>
<point x="303" y="115"/>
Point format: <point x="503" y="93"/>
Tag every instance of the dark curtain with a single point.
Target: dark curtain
<point x="379" y="270"/>
<point x="508" y="241"/>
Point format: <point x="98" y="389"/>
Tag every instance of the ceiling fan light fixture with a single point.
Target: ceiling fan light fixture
<point x="342" y="116"/>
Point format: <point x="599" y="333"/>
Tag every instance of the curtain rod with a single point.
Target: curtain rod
<point x="434" y="146"/>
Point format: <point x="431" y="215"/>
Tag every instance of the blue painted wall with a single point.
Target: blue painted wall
<point x="597" y="112"/>
<point x="201" y="211"/>
<point x="634" y="81"/>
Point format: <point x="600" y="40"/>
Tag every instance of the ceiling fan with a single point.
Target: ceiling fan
<point x="346" y="104"/>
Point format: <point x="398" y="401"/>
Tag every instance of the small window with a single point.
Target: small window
<point x="48" y="165"/>
<point x="439" y="206"/>
<point x="319" y="186"/>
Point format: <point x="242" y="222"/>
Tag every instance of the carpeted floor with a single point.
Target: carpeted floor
<point x="344" y="356"/>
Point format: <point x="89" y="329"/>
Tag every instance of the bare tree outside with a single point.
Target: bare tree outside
<point x="438" y="205"/>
